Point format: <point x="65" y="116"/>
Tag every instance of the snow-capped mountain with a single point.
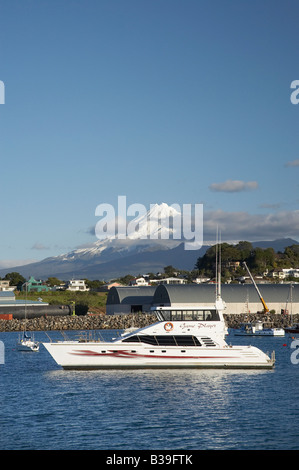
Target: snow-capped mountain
<point x="151" y="231"/>
<point x="152" y="242"/>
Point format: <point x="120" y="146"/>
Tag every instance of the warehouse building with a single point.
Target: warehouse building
<point x="239" y="298"/>
<point x="125" y="300"/>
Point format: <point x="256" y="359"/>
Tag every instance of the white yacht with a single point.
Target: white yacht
<point x="181" y="338"/>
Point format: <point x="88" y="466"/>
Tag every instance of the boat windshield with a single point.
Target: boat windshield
<point x="185" y="315"/>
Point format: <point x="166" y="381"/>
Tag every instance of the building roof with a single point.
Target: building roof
<point x="169" y="294"/>
<point x="232" y="293"/>
<point x="130" y="295"/>
<point x="6" y="295"/>
<point x="7" y="298"/>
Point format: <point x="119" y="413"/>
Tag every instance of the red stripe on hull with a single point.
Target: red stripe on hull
<point x="130" y="355"/>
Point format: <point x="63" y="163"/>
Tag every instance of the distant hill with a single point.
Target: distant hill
<point x="277" y="245"/>
<point x="135" y="262"/>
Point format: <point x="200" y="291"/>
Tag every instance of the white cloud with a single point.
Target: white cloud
<point x="234" y="186"/>
<point x="11" y="263"/>
<point x="245" y="226"/>
<point x="293" y="163"/>
<point x="39" y="246"/>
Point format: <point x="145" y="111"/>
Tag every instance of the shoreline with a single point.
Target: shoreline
<point x="119" y="322"/>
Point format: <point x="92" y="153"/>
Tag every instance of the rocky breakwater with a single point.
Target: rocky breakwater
<point x="86" y="322"/>
<point x="270" y="320"/>
<point x="111" y="322"/>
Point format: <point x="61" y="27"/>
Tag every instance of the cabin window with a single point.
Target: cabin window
<point x="164" y="340"/>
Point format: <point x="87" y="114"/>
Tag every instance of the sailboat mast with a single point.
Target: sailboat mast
<point x="219" y="269"/>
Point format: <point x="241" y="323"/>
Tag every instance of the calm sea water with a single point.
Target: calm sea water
<point x="45" y="407"/>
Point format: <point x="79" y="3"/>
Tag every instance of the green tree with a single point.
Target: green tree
<point x="53" y="281"/>
<point x="170" y="271"/>
<point x="16" y="279"/>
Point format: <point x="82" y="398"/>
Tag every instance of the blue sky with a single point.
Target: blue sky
<point x="176" y="101"/>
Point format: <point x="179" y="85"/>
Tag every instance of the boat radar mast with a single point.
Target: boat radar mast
<point x="218" y="266"/>
<point x="266" y="309"/>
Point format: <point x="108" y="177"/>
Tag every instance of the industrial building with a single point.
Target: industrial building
<point x="10" y="307"/>
<point x="239" y="298"/>
<point x="123" y="300"/>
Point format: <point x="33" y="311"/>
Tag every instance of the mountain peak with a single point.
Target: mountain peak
<point x="159" y="222"/>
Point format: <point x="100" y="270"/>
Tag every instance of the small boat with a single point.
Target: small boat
<point x="26" y="343"/>
<point x="257" y="328"/>
<point x="294" y="329"/>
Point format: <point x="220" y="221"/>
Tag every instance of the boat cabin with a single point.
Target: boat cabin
<point x="185" y="314"/>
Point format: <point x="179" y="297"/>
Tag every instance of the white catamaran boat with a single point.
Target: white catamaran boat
<point x="186" y="338"/>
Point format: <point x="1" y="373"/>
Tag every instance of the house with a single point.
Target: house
<point x="201" y="280"/>
<point x="291" y="272"/>
<point x="35" y="286"/>
<point x="77" y="285"/>
<point x="4" y="286"/>
<point x="169" y="280"/>
<point x="138" y="282"/>
<point x="233" y="265"/>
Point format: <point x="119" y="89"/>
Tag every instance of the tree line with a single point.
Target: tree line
<point x="259" y="260"/>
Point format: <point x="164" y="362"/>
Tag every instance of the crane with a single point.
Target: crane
<point x="266" y="309"/>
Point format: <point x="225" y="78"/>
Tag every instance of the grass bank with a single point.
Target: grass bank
<point x="96" y="301"/>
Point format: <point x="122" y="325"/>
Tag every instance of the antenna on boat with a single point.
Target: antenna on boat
<point x="218" y="266"/>
<point x="219" y="269"/>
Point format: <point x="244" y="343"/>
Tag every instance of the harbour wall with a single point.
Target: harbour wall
<point x="102" y="322"/>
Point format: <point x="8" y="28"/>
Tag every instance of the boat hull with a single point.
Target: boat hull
<point x="73" y="355"/>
